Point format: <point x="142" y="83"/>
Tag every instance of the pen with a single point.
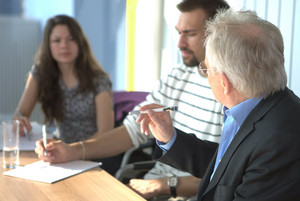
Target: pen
<point x="25" y="130"/>
<point x="44" y="139"/>
<point x="163" y="109"/>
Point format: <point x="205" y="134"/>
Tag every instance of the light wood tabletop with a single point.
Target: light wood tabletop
<point x="95" y="184"/>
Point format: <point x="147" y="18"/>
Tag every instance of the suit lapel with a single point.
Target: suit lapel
<point x="242" y="133"/>
<point x="247" y="127"/>
<point x="206" y="177"/>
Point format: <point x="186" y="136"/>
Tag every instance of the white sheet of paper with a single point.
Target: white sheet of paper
<point x="44" y="172"/>
<point x="35" y="134"/>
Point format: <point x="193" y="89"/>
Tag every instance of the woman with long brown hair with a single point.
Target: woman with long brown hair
<point x="72" y="88"/>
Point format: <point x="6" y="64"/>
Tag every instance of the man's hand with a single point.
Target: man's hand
<point x="160" y="123"/>
<point x="187" y="186"/>
<point x="57" y="151"/>
<point x="148" y="188"/>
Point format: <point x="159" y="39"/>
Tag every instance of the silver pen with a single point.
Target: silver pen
<point x="25" y="130"/>
<point x="162" y="109"/>
<point x="44" y="139"/>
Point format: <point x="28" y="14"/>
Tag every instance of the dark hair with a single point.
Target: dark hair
<point x="209" y="6"/>
<point x="48" y="73"/>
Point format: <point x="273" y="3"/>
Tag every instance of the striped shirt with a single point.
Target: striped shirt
<point x="198" y="111"/>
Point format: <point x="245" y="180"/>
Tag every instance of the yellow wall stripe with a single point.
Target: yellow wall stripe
<point x="130" y="43"/>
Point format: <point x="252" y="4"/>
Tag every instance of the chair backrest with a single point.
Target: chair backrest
<point x="124" y="102"/>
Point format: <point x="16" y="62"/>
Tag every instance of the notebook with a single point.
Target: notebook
<point x="51" y="173"/>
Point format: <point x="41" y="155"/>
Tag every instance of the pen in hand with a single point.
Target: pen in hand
<point x="44" y="139"/>
<point x="163" y="109"/>
<point x="25" y="129"/>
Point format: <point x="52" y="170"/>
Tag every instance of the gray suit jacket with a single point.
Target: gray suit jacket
<point x="261" y="163"/>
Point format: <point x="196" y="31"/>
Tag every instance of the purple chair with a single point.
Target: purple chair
<point x="135" y="163"/>
<point x="124" y="102"/>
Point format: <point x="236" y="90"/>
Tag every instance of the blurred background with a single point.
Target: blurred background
<point x="134" y="40"/>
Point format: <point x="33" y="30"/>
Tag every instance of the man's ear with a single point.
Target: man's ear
<point x="226" y="84"/>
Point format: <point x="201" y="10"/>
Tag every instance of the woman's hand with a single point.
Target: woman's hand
<point x="57" y="151"/>
<point x="25" y="125"/>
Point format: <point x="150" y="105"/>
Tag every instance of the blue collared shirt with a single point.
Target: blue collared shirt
<point x="233" y="119"/>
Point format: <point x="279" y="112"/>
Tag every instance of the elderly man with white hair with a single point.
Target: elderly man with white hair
<point x="258" y="156"/>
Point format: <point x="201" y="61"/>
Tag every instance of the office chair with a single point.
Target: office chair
<point x="136" y="162"/>
<point x="124" y="102"/>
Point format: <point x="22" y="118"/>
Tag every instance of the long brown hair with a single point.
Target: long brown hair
<point x="48" y="73"/>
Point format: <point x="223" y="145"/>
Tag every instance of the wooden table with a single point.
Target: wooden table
<point x="95" y="184"/>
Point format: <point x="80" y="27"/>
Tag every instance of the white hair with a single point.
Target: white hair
<point x="249" y="50"/>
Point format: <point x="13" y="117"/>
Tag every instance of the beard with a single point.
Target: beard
<point x="190" y="62"/>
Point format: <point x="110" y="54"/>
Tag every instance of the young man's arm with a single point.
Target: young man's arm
<point x="186" y="186"/>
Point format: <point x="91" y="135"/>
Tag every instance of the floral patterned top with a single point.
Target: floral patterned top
<point x="79" y="122"/>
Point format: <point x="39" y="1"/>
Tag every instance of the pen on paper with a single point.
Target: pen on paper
<point x="44" y="139"/>
<point x="163" y="109"/>
<point x="25" y="130"/>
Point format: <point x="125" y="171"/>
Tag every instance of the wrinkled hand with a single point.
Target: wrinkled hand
<point x="146" y="188"/>
<point x="160" y="123"/>
<point x="57" y="151"/>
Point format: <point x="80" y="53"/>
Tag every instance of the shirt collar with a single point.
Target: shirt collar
<point x="240" y="112"/>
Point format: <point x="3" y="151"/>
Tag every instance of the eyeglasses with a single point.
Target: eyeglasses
<point x="202" y="67"/>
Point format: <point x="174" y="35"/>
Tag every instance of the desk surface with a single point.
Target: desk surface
<point x="95" y="184"/>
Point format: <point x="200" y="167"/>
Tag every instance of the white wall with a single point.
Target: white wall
<point x="103" y="22"/>
<point x="148" y="44"/>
